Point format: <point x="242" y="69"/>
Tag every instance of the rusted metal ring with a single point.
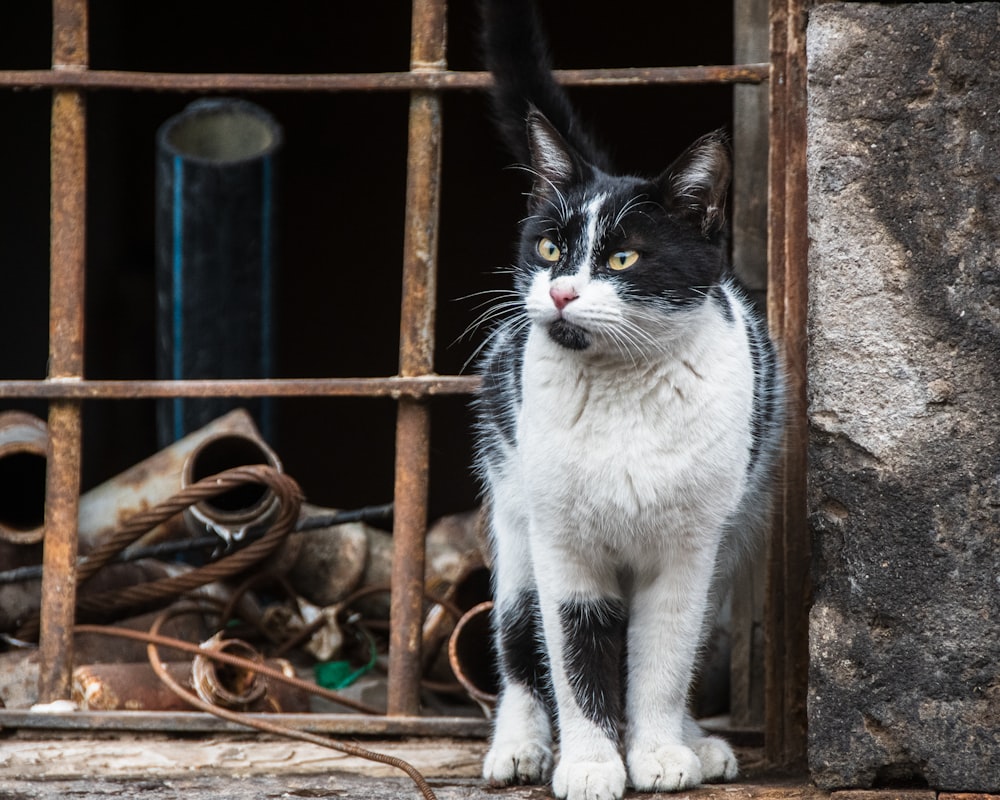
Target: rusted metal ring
<point x="212" y="687"/>
<point x="476" y="692"/>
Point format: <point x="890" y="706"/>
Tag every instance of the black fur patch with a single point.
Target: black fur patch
<point x="521" y="649"/>
<point x="594" y="636"/>
<point x="569" y="335"/>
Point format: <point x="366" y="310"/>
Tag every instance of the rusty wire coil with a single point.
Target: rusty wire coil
<point x="154" y="640"/>
<point x="289" y="498"/>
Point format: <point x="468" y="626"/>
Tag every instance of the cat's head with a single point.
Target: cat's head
<point x="609" y="263"/>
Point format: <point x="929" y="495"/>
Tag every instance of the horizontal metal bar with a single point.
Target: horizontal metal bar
<point x="195" y="722"/>
<point x="369" y="82"/>
<point x="395" y="387"/>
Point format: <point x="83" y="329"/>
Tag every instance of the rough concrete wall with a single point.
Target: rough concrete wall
<point x="904" y="369"/>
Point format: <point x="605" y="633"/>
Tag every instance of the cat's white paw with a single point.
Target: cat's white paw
<point x="589" y="780"/>
<point x="718" y="761"/>
<point x="666" y="768"/>
<point x="517" y="761"/>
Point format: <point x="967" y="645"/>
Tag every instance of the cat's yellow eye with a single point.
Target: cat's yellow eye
<point x="623" y="259"/>
<point x="548" y="250"/>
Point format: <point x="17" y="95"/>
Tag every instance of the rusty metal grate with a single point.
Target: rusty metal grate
<point x="67" y="389"/>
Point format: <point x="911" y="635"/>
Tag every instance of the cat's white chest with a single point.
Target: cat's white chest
<point x="615" y="453"/>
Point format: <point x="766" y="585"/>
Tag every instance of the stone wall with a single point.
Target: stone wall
<point x="904" y="398"/>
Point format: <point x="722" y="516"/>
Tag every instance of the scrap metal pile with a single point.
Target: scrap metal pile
<point x="207" y="549"/>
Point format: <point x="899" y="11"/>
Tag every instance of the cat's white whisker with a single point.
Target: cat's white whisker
<point x="509" y="328"/>
<point x="562" y="207"/>
<point x="494" y="312"/>
<point x="485" y="293"/>
<point x="631" y="206"/>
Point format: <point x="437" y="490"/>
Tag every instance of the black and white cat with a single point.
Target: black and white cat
<point x="628" y="424"/>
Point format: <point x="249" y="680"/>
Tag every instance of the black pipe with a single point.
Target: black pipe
<point x="215" y="255"/>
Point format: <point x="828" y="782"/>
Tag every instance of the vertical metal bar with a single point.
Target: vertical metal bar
<point x="774" y="663"/>
<point x="749" y="238"/>
<point x="787" y="603"/>
<point x="66" y="301"/>
<point x="416" y="357"/>
<point x="798" y="549"/>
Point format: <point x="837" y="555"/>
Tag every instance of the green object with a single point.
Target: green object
<point x="337" y="674"/>
<point x="340" y="674"/>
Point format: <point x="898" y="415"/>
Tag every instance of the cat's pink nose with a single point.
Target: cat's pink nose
<point x="562" y="296"/>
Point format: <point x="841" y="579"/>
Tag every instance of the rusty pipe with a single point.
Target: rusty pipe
<point x="136" y="687"/>
<point x="24" y="443"/>
<point x="457" y="578"/>
<point x="244" y="510"/>
<point x="104" y="508"/>
<point x="230" y="441"/>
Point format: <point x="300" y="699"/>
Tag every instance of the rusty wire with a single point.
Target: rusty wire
<point x="153" y="639"/>
<point x="233" y="661"/>
<point x="282" y="647"/>
<point x="287" y="491"/>
<point x="289" y="498"/>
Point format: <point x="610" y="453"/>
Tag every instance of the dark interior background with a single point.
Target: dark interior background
<point x="341" y="204"/>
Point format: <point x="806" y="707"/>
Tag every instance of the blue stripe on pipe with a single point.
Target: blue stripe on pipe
<point x="178" y="292"/>
<point x="267" y="302"/>
<point x="266" y="310"/>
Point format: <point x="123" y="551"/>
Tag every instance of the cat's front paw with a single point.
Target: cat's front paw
<point x="589" y="780"/>
<point x="517" y="762"/>
<point x="718" y="761"/>
<point x="666" y="768"/>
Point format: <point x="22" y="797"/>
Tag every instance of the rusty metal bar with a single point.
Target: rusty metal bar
<point x="788" y="587"/>
<point x="416" y="357"/>
<point x="774" y="662"/>
<point x="409" y="527"/>
<point x="66" y="300"/>
<point x="395" y="387"/>
<point x="194" y="722"/>
<point x="432" y="80"/>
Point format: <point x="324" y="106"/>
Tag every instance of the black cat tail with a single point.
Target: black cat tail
<point x="517" y="53"/>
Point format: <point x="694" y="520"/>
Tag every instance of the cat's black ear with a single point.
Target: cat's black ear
<point x="696" y="183"/>
<point x="553" y="161"/>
